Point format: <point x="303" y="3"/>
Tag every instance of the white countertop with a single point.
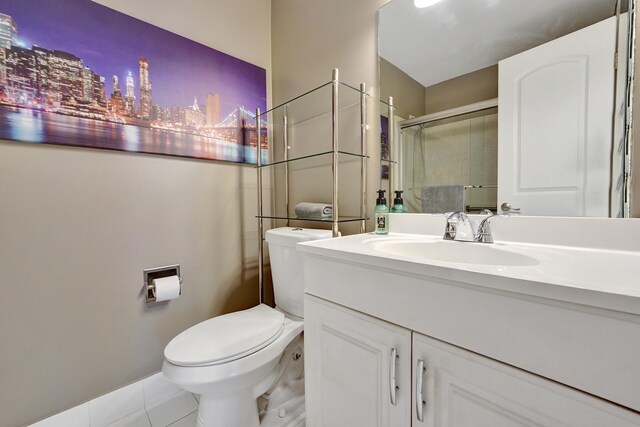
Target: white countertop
<point x="595" y="277"/>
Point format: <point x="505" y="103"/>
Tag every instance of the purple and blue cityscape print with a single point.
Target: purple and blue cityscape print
<point x="73" y="72"/>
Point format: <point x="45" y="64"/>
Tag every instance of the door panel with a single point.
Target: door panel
<point x="348" y="368"/>
<point x="555" y="125"/>
<point x="464" y="389"/>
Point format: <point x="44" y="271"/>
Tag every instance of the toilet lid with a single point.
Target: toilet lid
<point x="226" y="338"/>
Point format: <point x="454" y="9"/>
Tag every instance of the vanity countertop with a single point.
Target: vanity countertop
<point x="596" y="277"/>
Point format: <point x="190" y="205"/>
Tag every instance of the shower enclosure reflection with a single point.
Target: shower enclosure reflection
<point x="451" y="164"/>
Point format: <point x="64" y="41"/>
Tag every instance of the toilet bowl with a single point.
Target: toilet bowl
<point x="233" y="359"/>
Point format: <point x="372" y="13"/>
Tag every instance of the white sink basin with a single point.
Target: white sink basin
<point x="600" y="270"/>
<point x="451" y="251"/>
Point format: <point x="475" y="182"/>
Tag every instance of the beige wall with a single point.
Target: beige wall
<point x="309" y="39"/>
<point x="408" y="94"/>
<point x="464" y="90"/>
<point x="78" y="226"/>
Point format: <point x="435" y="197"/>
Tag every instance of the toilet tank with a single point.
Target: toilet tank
<point x="286" y="265"/>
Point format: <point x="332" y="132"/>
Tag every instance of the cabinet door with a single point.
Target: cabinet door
<point x="357" y="368"/>
<point x="460" y="388"/>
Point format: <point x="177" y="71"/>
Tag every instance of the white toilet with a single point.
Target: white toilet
<point x="233" y="359"/>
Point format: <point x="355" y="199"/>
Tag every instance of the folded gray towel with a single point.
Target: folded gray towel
<point x="313" y="210"/>
<point x="443" y="198"/>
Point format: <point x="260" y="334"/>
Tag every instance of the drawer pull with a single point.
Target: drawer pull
<point x="393" y="387"/>
<point x="420" y="403"/>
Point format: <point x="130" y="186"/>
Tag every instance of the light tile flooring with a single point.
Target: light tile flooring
<point x="179" y="410"/>
<point x="155" y="402"/>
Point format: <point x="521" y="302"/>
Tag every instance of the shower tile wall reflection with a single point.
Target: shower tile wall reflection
<point x="458" y="151"/>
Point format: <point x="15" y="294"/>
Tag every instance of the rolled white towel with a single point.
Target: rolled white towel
<point x="313" y="210"/>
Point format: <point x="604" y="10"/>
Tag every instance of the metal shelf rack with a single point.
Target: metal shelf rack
<point x="333" y="156"/>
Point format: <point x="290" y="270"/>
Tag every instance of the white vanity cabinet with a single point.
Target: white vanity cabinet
<point x="357" y="368"/>
<point x="460" y="388"/>
<point x="358" y="364"/>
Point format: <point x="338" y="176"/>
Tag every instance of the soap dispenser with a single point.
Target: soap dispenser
<point x="398" y="203"/>
<point x="382" y="214"/>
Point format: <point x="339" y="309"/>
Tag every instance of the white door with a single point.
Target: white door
<point x="357" y="368"/>
<point x="555" y="125"/>
<point x="458" y="388"/>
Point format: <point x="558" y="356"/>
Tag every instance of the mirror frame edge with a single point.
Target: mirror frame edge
<point x="632" y="171"/>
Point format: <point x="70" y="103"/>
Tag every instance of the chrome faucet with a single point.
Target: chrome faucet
<point x="459" y="227"/>
<point x="484" y="229"/>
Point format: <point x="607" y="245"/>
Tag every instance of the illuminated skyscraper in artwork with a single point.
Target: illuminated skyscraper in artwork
<point x="145" y="88"/>
<point x="99" y="90"/>
<point x="8" y="34"/>
<point x="213" y="109"/>
<point x="87" y="84"/>
<point x="8" y="31"/>
<point x="130" y="92"/>
<point x="43" y="88"/>
<point x="65" y="76"/>
<point x="193" y="116"/>
<point x="116" y="86"/>
<point x="116" y="102"/>
<point x="21" y="74"/>
<point x="130" y="98"/>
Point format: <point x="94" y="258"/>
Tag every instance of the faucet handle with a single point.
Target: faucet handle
<point x="451" y="228"/>
<point x="484" y="234"/>
<point x="458" y="225"/>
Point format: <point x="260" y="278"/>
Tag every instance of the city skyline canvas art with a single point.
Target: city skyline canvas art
<point x="76" y="73"/>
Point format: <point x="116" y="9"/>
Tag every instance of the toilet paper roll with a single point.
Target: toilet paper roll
<point x="167" y="288"/>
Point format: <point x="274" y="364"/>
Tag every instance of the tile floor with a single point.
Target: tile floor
<point x="152" y="402"/>
<point x="155" y="402"/>
<point x="177" y="411"/>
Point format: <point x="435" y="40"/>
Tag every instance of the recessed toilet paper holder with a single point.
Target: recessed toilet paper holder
<point x="157" y="273"/>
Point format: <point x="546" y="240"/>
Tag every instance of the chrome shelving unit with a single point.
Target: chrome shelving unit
<point x="332" y="156"/>
<point x="391" y="136"/>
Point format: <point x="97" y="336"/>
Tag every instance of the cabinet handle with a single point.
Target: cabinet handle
<point x="392" y="376"/>
<point x="420" y="403"/>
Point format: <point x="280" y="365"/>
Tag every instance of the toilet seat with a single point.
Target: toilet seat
<point x="236" y="375"/>
<point x="226" y="338"/>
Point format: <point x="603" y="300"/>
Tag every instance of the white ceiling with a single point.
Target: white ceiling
<point x="456" y="37"/>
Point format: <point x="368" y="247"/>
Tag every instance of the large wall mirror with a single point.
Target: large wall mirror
<point x="509" y="105"/>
